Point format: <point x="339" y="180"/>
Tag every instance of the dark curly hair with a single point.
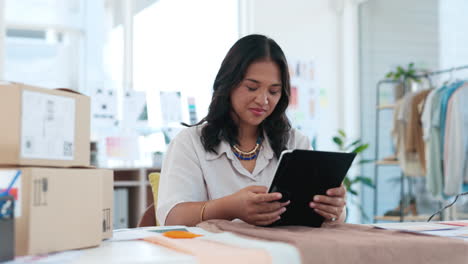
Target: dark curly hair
<point x="219" y="123"/>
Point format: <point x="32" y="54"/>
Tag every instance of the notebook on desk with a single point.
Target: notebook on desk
<point x="300" y="175"/>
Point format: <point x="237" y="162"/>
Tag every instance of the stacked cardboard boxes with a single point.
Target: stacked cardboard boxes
<point x="61" y="202"/>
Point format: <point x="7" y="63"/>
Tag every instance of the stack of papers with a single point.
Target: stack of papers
<point x="452" y="229"/>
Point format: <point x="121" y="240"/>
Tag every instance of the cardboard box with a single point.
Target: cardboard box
<point x="43" y="127"/>
<point x="57" y="209"/>
<point x="107" y="203"/>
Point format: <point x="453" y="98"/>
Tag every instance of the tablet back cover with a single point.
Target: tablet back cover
<point x="301" y="175"/>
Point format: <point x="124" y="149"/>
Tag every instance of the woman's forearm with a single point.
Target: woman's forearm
<point x="189" y="213"/>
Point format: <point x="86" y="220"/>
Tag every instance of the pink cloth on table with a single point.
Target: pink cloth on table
<point x="347" y="243"/>
<point x="210" y="252"/>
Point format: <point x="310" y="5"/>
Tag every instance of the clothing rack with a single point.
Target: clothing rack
<point x="379" y="108"/>
<point x="442" y="71"/>
<point x="428" y="74"/>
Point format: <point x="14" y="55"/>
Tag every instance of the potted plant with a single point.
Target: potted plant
<point x="356" y="146"/>
<point x="405" y="77"/>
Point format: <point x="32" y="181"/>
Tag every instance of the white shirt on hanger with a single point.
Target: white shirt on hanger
<point x="456" y="142"/>
<point x="426" y="115"/>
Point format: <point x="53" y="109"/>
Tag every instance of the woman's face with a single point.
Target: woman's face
<point x="258" y="93"/>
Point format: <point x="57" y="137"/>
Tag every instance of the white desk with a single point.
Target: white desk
<point x="138" y="251"/>
<point x="132" y="251"/>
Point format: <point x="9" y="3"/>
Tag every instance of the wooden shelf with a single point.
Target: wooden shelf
<point x="139" y="190"/>
<point x="387" y="106"/>
<point x="407" y="218"/>
<point x="126" y="183"/>
<point x="387" y="163"/>
<point x="135" y="169"/>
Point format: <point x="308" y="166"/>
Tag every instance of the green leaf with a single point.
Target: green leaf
<point x="389" y="75"/>
<point x="342" y="133"/>
<point x="338" y="141"/>
<point x="360" y="148"/>
<point x="352" y="191"/>
<point x="364" y="180"/>
<point x="365" y="161"/>
<point x="347" y="182"/>
<point x="314" y="142"/>
<point x="353" y="144"/>
<point x="411" y="65"/>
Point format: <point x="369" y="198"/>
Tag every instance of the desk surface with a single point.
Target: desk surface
<point x="138" y="251"/>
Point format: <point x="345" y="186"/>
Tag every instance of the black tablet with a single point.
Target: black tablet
<point x="300" y="175"/>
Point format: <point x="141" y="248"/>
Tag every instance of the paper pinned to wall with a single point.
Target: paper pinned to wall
<point x="303" y="106"/>
<point x="171" y="107"/>
<point x="103" y="109"/>
<point x="135" y="113"/>
<point x="192" y="110"/>
<point x="122" y="148"/>
<point x="47" y="126"/>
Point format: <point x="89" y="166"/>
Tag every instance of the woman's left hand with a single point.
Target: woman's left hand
<point x="331" y="206"/>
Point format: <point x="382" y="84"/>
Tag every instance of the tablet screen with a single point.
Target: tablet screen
<point x="302" y="174"/>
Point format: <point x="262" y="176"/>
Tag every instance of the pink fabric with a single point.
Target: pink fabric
<point x="347" y="243"/>
<point x="209" y="252"/>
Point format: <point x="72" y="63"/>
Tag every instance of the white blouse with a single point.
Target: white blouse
<point x="191" y="174"/>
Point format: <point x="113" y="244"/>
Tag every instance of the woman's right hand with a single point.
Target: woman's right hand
<point x="254" y="205"/>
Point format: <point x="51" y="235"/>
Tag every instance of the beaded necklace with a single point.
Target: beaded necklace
<point x="247" y="155"/>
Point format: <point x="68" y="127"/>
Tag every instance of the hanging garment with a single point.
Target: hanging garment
<point x="456" y="142"/>
<point x="414" y="130"/>
<point x="409" y="162"/>
<point x="443" y="108"/>
<point x="434" y="181"/>
<point x="426" y="114"/>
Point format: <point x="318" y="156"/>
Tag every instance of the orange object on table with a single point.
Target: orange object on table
<point x="180" y="234"/>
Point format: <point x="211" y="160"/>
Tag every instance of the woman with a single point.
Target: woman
<point x="222" y="167"/>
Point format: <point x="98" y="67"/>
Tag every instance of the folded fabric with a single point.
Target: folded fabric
<point x="347" y="243"/>
<point x="280" y="252"/>
<point x="207" y="252"/>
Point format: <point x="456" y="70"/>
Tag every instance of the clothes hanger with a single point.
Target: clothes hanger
<point x="447" y="82"/>
<point x="429" y="80"/>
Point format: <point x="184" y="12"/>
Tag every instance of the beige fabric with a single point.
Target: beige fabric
<point x="209" y="252"/>
<point x="191" y="174"/>
<point x="414" y="132"/>
<point x="347" y="243"/>
<point x="409" y="162"/>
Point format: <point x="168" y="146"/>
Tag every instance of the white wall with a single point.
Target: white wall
<point x="2" y="39"/>
<point x="453" y="37"/>
<point x="306" y="30"/>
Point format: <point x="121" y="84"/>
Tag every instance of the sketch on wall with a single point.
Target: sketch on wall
<point x="304" y="99"/>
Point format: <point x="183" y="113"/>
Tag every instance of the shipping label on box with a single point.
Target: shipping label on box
<point x="48" y="126"/>
<point x="7" y="177"/>
<point x="44" y="127"/>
